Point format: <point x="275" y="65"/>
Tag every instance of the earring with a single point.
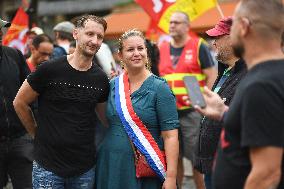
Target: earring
<point x="122" y="64"/>
<point x="148" y="65"/>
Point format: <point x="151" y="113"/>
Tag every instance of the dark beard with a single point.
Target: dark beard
<point x="89" y="55"/>
<point x="238" y="51"/>
<point x="86" y="54"/>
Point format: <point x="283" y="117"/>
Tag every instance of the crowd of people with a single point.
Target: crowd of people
<point x="55" y="97"/>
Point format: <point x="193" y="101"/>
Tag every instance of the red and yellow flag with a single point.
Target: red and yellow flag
<point x="161" y="10"/>
<point x="16" y="34"/>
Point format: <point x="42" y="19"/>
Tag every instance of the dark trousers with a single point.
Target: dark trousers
<point x="16" y="157"/>
<point x="207" y="180"/>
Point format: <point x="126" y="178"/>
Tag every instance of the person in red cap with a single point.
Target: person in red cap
<point x="16" y="146"/>
<point x="231" y="70"/>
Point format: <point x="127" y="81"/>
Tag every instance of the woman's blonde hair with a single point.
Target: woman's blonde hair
<point x="132" y="33"/>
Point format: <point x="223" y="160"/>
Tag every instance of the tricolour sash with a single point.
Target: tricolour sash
<point x="136" y="130"/>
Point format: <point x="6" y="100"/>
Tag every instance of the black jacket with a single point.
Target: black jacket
<point x="13" y="72"/>
<point x="210" y="130"/>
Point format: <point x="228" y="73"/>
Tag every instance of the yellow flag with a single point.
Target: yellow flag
<point x="193" y="8"/>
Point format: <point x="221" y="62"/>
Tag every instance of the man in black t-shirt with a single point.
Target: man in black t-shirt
<point x="69" y="90"/>
<point x="250" y="155"/>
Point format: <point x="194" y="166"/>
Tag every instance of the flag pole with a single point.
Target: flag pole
<point x="220" y="10"/>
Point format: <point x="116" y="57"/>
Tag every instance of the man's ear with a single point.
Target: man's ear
<point x="245" y="26"/>
<point x="33" y="49"/>
<point x="75" y="33"/>
<point x="56" y="33"/>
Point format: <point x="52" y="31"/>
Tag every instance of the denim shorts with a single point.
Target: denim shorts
<point x="43" y="179"/>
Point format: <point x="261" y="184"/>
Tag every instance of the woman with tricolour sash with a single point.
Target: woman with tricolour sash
<point x="140" y="150"/>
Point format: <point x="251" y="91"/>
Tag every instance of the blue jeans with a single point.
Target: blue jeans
<point x="43" y="179"/>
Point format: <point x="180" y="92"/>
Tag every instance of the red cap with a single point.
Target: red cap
<point x="222" y="28"/>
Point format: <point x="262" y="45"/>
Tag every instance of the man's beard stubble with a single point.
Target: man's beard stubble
<point x="87" y="54"/>
<point x="239" y="50"/>
<point x="222" y="56"/>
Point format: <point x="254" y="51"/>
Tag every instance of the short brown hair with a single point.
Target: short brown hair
<point x="40" y="39"/>
<point x="81" y="21"/>
<point x="186" y="17"/>
<point x="267" y="16"/>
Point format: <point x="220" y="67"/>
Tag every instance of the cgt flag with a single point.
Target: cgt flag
<point x="161" y="10"/>
<point x="155" y="8"/>
<point x="16" y="34"/>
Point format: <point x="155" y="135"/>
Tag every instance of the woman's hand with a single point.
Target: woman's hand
<point x="170" y="183"/>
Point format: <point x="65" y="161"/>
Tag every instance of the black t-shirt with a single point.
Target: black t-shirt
<point x="205" y="57"/>
<point x="64" y="141"/>
<point x="255" y="119"/>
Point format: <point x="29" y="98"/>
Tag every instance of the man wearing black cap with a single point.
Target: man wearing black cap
<point x="16" y="146"/>
<point x="231" y="70"/>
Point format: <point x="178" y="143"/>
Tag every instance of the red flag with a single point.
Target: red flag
<point x="155" y="8"/>
<point x="16" y="34"/>
<point x="161" y="10"/>
<point x="153" y="32"/>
